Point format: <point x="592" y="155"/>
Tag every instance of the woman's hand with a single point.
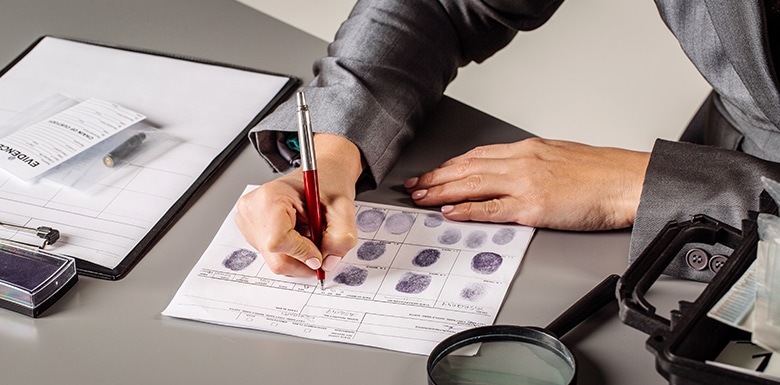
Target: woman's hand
<point x="537" y="182"/>
<point x="273" y="219"/>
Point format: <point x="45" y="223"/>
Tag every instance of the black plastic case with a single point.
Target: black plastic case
<point x="684" y="343"/>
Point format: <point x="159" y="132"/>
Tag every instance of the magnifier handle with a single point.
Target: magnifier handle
<point x="586" y="306"/>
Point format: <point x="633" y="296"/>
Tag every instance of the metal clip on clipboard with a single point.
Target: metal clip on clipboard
<point x="683" y="344"/>
<point x="48" y="234"/>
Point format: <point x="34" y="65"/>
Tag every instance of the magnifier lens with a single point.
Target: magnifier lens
<point x="530" y="361"/>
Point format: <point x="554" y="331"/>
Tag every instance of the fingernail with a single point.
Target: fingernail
<point x="419" y="194"/>
<point x="446" y="209"/>
<point x="313" y="263"/>
<point x="411" y="182"/>
<point x="331" y="262"/>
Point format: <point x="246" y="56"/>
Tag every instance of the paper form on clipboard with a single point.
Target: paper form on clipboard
<point x="209" y="106"/>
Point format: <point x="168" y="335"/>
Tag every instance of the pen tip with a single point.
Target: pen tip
<point x="300" y="98"/>
<point x="322" y="284"/>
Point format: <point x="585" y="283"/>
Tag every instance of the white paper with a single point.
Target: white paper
<point x="748" y="358"/>
<point x="412" y="280"/>
<point x="205" y="106"/>
<point x="48" y="143"/>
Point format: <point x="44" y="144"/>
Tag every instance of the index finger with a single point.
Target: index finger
<point x="490" y="151"/>
<point x="267" y="221"/>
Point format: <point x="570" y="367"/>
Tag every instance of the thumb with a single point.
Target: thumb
<point x="291" y="254"/>
<point x="301" y="248"/>
<point x="340" y="233"/>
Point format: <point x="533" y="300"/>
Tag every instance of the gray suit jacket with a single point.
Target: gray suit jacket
<point x="727" y="42"/>
<point x="392" y="59"/>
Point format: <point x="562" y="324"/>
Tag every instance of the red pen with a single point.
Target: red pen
<point x="311" y="186"/>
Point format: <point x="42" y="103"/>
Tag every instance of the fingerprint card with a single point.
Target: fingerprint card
<point x="413" y="279"/>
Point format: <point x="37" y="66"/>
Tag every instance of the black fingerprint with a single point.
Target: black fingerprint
<point x="426" y="257"/>
<point x="371" y="250"/>
<point x="351" y="276"/>
<point x="486" y="263"/>
<point x="399" y="223"/>
<point x="239" y="259"/>
<point x="475" y="239"/>
<point x="369" y="221"/>
<point x="433" y="220"/>
<point x="411" y="283"/>
<point x="473" y="292"/>
<point x="504" y="236"/>
<point x="449" y="237"/>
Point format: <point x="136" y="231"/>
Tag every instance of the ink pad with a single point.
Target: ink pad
<point x="32" y="279"/>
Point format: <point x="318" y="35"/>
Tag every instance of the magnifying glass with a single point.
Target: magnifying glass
<point x="517" y="355"/>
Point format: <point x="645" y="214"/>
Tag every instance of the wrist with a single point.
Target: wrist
<point x="632" y="190"/>
<point x="335" y="152"/>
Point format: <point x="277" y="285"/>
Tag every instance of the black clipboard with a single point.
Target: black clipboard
<point x="87" y="268"/>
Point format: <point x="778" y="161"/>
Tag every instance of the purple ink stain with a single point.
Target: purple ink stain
<point x="368" y="221"/>
<point x="475" y="239"/>
<point x="449" y="237"/>
<point x="399" y="223"/>
<point x="351" y="276"/>
<point x="239" y="259"/>
<point x="504" y="236"/>
<point x="473" y="292"/>
<point x="426" y="257"/>
<point x="371" y="250"/>
<point x="411" y="283"/>
<point x="486" y="262"/>
<point x="433" y="220"/>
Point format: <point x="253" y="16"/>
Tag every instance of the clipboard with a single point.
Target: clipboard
<point x="227" y="81"/>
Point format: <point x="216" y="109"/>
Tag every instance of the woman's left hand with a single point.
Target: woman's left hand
<point x="538" y="182"/>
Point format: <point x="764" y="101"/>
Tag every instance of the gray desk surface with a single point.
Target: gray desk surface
<point x="112" y="332"/>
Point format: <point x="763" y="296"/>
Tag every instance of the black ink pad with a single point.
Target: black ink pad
<point x="32" y="279"/>
<point x="26" y="273"/>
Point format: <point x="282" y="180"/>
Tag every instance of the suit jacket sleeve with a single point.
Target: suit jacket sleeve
<point x="685" y="179"/>
<point x="389" y="65"/>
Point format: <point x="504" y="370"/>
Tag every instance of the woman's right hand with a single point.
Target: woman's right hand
<point x="273" y="219"/>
